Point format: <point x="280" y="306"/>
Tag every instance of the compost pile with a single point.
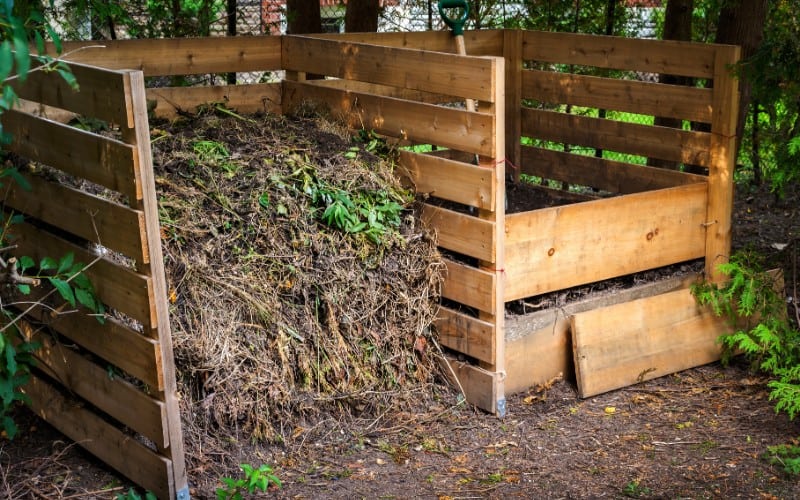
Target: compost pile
<point x="302" y="284"/>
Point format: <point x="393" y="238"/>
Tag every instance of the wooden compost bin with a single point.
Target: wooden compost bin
<point x="410" y="87"/>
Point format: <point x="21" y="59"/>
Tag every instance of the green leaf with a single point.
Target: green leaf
<point x="9" y="426"/>
<point x="68" y="77"/>
<point x="6" y="60"/>
<point x="47" y="263"/>
<point x="65" y="263"/>
<point x="22" y="55"/>
<point x="11" y="358"/>
<point x="86" y="299"/>
<point x="37" y="37"/>
<point x="64" y="289"/>
<point x="55" y="38"/>
<point x="263" y="200"/>
<point x="26" y="262"/>
<point x="24" y="289"/>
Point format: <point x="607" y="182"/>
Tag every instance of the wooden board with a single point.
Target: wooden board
<point x="111" y="394"/>
<point x="479" y="386"/>
<point x="622" y="345"/>
<point x="633" y="54"/>
<point x="664" y="143"/>
<point x="90" y="217"/>
<point x="106" y="101"/>
<point x="119" y="450"/>
<point x="607" y="175"/>
<point x="418" y="122"/>
<point x="469" y="286"/>
<point x="466" y="334"/>
<point x="559" y="247"/>
<point x="449" y="179"/>
<point x="477" y="42"/>
<point x="253" y="98"/>
<point x="180" y="56"/>
<point x="435" y="72"/>
<point x="462" y="233"/>
<point x="120" y="288"/>
<point x="539" y="344"/>
<point x="99" y="159"/>
<point x="387" y="91"/>
<point x="645" y="98"/>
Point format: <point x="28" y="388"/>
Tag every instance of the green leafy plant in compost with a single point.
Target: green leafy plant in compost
<point x="254" y="479"/>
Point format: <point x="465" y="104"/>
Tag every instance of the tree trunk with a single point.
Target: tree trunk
<point x="361" y="16"/>
<point x="741" y="22"/>
<point x="303" y="16"/>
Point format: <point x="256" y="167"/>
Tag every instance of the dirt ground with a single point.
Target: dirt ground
<point x="701" y="433"/>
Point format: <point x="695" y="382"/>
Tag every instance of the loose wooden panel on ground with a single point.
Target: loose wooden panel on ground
<point x="621" y="345"/>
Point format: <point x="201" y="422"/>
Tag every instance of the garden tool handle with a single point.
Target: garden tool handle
<point x="457" y="25"/>
<point x="454" y="23"/>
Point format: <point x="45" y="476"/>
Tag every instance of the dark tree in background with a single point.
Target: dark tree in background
<point x="303" y="16"/>
<point x="361" y="16"/>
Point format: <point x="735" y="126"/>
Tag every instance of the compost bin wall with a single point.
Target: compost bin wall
<point x="407" y="87"/>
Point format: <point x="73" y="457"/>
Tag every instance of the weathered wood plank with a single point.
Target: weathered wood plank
<point x="181" y="56"/>
<point x="113" y="395"/>
<point x="253" y="98"/>
<point x="120" y="288"/>
<point x="722" y="163"/>
<point x="90" y="217"/>
<point x="645" y="140"/>
<point x="638" y="231"/>
<point x="127" y="349"/>
<point x="469" y="286"/>
<point x="608" y="175"/>
<point x="435" y="72"/>
<point x="462" y="233"/>
<point x="387" y="91"/>
<point x="422" y="123"/>
<point x="479" y="385"/>
<point x="477" y="42"/>
<point x="99" y="159"/>
<point x="633" y="54"/>
<point x="106" y="101"/>
<point x="645" y="98"/>
<point x="466" y="334"/>
<point x="512" y="53"/>
<point x="621" y="345"/>
<point x="449" y="179"/>
<point x="119" y="450"/>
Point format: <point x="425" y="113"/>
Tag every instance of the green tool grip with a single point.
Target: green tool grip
<point x="455" y="24"/>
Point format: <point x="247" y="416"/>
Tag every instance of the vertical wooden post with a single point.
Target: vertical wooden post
<point x="723" y="161"/>
<point x="139" y="136"/>
<point x="512" y="53"/>
<point x="498" y="215"/>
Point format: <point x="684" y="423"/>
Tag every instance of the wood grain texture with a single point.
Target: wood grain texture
<point x="462" y="233"/>
<point x="644" y="140"/>
<point x="632" y="96"/>
<point x="479" y="385"/>
<point x="478" y="43"/>
<point x="252" y="98"/>
<point x="470" y="286"/>
<point x="466" y="334"/>
<point x="181" y="56"/>
<point x="621" y="345"/>
<point x="435" y="72"/>
<point x="559" y="247"/>
<point x="449" y="179"/>
<point x="632" y="54"/>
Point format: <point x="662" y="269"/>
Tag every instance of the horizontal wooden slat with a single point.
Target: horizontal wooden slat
<point x="120" y="288"/>
<point x="99" y="159"/>
<point x="480" y="386"/>
<point x="387" y="91"/>
<point x="477" y="42"/>
<point x="462" y="233"/>
<point x="559" y="247"/>
<point x="119" y="450"/>
<point x="645" y="98"/>
<point x="182" y="56"/>
<point x="259" y="97"/>
<point x="470" y="286"/>
<point x="435" y="72"/>
<point x="621" y="345"/>
<point x="465" y="334"/>
<point x="107" y="100"/>
<point x="126" y="349"/>
<point x="608" y="175"/>
<point x="450" y="180"/>
<point x="90" y="217"/>
<point x="633" y="54"/>
<point x="664" y="143"/>
<point x="112" y="395"/>
<point x="422" y="123"/>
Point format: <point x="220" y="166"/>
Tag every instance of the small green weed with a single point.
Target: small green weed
<point x="215" y="154"/>
<point x="254" y="479"/>
<point x="131" y="494"/>
<point x="785" y="455"/>
<point x="635" y="489"/>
